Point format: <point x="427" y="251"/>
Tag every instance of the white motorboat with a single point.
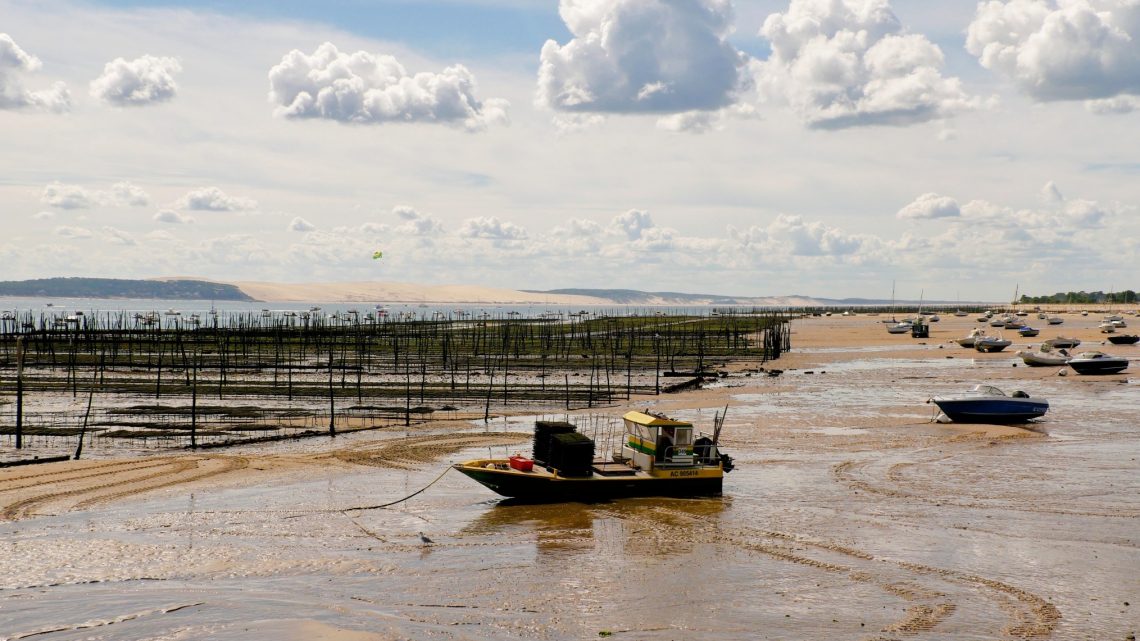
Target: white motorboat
<point x="1045" y="357"/>
<point x="900" y="328"/>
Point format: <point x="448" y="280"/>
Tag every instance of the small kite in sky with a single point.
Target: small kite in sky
<point x="376" y="255"/>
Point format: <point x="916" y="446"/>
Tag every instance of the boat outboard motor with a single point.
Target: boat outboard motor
<point x="726" y="463"/>
<point x="1020" y="394"/>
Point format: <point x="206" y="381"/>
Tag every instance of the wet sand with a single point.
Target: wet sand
<point x="850" y="516"/>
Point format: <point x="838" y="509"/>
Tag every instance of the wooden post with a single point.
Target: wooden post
<point x="332" y="398"/>
<point x="194" y="407"/>
<point x="20" y="392"/>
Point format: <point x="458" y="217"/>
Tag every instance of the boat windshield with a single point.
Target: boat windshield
<point x="987" y="390"/>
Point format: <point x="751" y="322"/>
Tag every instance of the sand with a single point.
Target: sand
<point x="851" y="516"/>
<point x="393" y="292"/>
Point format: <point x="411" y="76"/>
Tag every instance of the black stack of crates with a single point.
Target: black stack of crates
<point x="572" y="454"/>
<point x="542" y="433"/>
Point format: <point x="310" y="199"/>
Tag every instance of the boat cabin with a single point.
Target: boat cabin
<point x="652" y="440"/>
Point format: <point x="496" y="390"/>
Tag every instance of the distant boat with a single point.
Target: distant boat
<point x="988" y="404"/>
<point x="1123" y="339"/>
<point x="1045" y="357"/>
<point x="1107" y="328"/>
<point x="900" y="328"/>
<point x="1062" y="342"/>
<point x="961" y="313"/>
<point x="968" y="341"/>
<point x="1098" y="363"/>
<point x="919" y="329"/>
<point x="1028" y="331"/>
<point x="991" y="343"/>
<point x="1056" y="320"/>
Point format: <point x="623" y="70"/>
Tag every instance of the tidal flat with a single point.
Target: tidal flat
<point x="851" y="515"/>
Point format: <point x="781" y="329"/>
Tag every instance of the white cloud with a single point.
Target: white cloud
<point x="1060" y="49"/>
<point x="64" y="196"/>
<point x="632" y="223"/>
<point x="118" y="236"/>
<point x="1050" y="193"/>
<point x="299" y="224"/>
<point x="69" y="231"/>
<point x="491" y="227"/>
<point x="173" y="217"/>
<point x="417" y="224"/>
<point x="44" y="215"/>
<point x="849" y="63"/>
<point x="929" y="206"/>
<point x="142" y="81"/>
<point x="214" y="199"/>
<point x="642" y="56"/>
<point x="572" y="123"/>
<point x="1113" y="106"/>
<point x="368" y="88"/>
<point x="14" y="60"/>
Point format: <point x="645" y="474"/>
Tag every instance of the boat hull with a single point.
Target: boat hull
<point x="1001" y="410"/>
<point x="1124" y="339"/>
<point x="547" y="488"/>
<point x="1099" y="366"/>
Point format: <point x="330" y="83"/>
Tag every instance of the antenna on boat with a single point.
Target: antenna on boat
<point x="718" y="423"/>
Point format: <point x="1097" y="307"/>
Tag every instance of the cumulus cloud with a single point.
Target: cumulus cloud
<point x="1060" y="49"/>
<point x="366" y="88"/>
<point x="173" y="217"/>
<point x="417" y="224"/>
<point x="929" y="206"/>
<point x="214" y="199"/>
<point x="132" y="83"/>
<point x="13" y="61"/>
<point x="490" y="227"/>
<point x="849" y="63"/>
<point x="642" y="56"/>
<point x="299" y="224"/>
<point x="1059" y="216"/>
<point x="632" y="223"/>
<point x="44" y="215"/>
<point x="64" y="196"/>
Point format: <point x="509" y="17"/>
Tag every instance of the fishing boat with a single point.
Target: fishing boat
<point x="1098" y="363"/>
<point x="991" y="343"/>
<point x="1045" y="357"/>
<point x="660" y="456"/>
<point x="919" y="329"/>
<point x="1123" y="339"/>
<point x="988" y="404"/>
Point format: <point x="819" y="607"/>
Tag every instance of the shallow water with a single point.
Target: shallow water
<point x="850" y="516"/>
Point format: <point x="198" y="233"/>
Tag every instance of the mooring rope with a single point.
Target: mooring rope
<point x="377" y="507"/>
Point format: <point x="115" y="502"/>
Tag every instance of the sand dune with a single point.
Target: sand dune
<point x="385" y="291"/>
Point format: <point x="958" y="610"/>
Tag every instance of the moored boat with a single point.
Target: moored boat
<point x="1028" y="331"/>
<point x="988" y="404"/>
<point x="1123" y="339"/>
<point x="1098" y="363"/>
<point x="1062" y="342"/>
<point x="991" y="343"/>
<point x="900" y="328"/>
<point x="969" y="339"/>
<point x="660" y="456"/>
<point x="1044" y="357"/>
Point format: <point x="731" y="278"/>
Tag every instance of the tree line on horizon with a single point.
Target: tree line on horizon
<point x="1082" y="297"/>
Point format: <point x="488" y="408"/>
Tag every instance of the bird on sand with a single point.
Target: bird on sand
<point x="425" y="540"/>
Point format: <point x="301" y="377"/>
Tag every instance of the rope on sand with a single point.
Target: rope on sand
<point x="377" y="507"/>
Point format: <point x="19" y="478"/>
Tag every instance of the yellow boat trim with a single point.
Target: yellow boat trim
<point x="649" y="420"/>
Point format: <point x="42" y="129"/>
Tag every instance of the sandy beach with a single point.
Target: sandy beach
<point x="852" y="515"/>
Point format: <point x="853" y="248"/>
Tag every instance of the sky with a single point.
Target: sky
<point x="954" y="150"/>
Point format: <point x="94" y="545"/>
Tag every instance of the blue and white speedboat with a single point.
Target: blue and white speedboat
<point x="988" y="404"/>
